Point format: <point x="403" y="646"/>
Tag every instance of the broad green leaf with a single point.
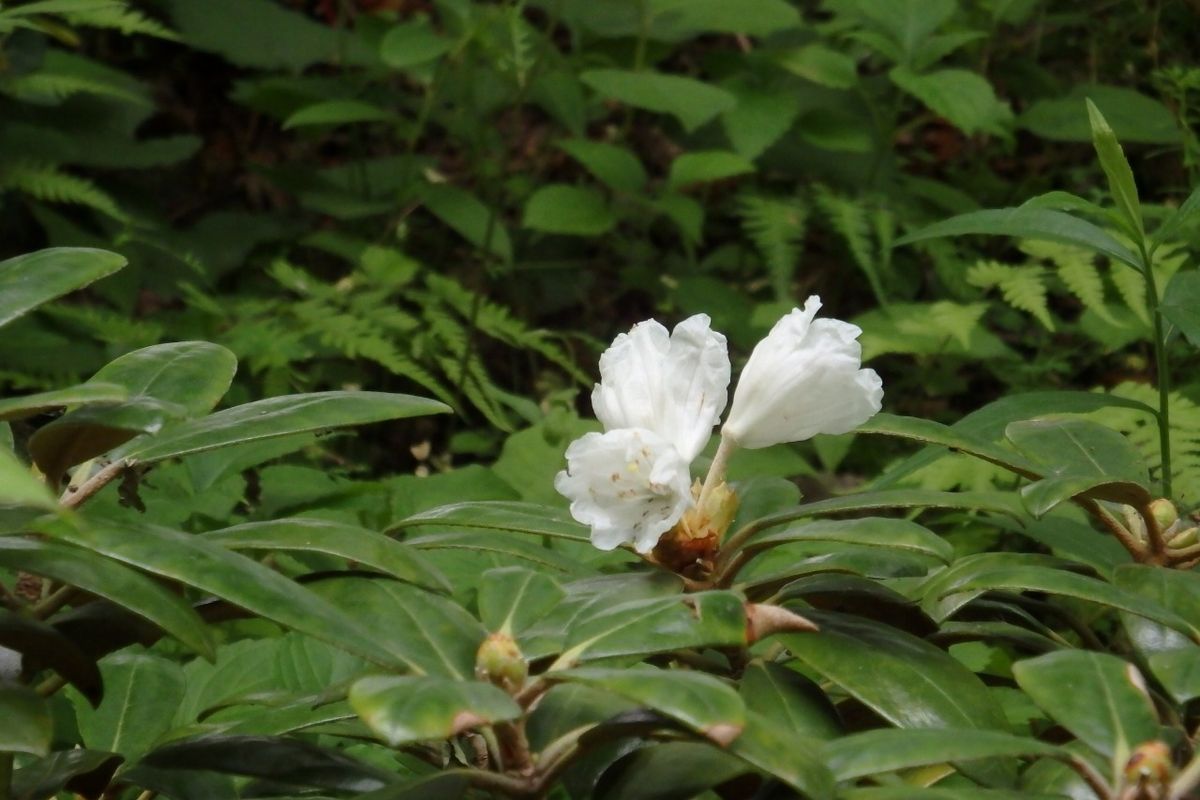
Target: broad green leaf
<point x="1029" y="223"/>
<point x="569" y="210"/>
<point x="1179" y="672"/>
<point x="1181" y="304"/>
<point x="412" y="43"/>
<point x="1174" y="590"/>
<point x="964" y="98"/>
<point x="507" y="547"/>
<point x="28" y="281"/>
<point x="75" y="770"/>
<point x="1042" y="496"/>
<point x="272" y="758"/>
<point x="993" y="571"/>
<point x="1098" y="697"/>
<point x="887" y="532"/>
<point x="44" y="647"/>
<point x="140" y="695"/>
<point x="20" y="489"/>
<point x="425" y="632"/>
<point x="444" y="785"/>
<point x="657" y="625"/>
<point x="675" y="20"/>
<point x="667" y="770"/>
<point x="616" y="167"/>
<point x="705" y="167"/>
<point x="790" y="700"/>
<point x="467" y="215"/>
<point x="930" y="432"/>
<point x="195" y="375"/>
<point x="337" y="112"/>
<point x="763" y="115"/>
<point x="888" y="750"/>
<point x="280" y="416"/>
<point x="110" y="580"/>
<point x="334" y="538"/>
<point x="690" y="101"/>
<point x="94" y="430"/>
<point x="27" y="726"/>
<point x="513" y="598"/>
<point x="1078" y="448"/>
<point x="195" y="561"/>
<point x="905" y="791"/>
<point x="821" y="65"/>
<point x="997" y="502"/>
<point x="500" y="516"/>
<point x="1121" y="185"/>
<point x="403" y="709"/>
<point x="783" y="755"/>
<point x="905" y="680"/>
<point x="1134" y="116"/>
<point x="15" y="408"/>
<point x="702" y="702"/>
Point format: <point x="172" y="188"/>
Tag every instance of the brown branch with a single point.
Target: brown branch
<point x="74" y="497"/>
<point x="1136" y="548"/>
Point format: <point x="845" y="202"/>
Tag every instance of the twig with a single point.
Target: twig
<point x="1187" y="779"/>
<point x="1136" y="548"/>
<point x="1089" y="774"/>
<point x="75" y="497"/>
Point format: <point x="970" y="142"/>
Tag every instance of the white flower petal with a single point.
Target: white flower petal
<point x="676" y="386"/>
<point x="805" y="378"/>
<point x="629" y="485"/>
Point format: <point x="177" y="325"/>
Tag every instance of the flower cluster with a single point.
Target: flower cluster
<point x="660" y="395"/>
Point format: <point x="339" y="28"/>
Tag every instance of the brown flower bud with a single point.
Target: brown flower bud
<point x="1150" y="769"/>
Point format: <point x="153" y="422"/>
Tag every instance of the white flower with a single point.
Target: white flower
<point x="630" y="485"/>
<point x="803" y="379"/>
<point x="675" y="386"/>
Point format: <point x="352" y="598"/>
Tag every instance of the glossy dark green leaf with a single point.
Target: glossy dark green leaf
<point x="984" y="573"/>
<point x="908" y="792"/>
<point x="642" y="627"/>
<point x="27" y="724"/>
<point x="702" y="702"/>
<point x="286" y="760"/>
<point x="403" y="709"/>
<point x="280" y="416"/>
<point x="1181" y="304"/>
<point x="905" y="680"/>
<point x="353" y="543"/>
<point x="888" y="750"/>
<point x="510" y="547"/>
<point x="84" y="772"/>
<point x="780" y="753"/>
<point x="1042" y="497"/>
<point x="885" y="532"/>
<point x="141" y="693"/>
<point x="96" y="429"/>
<point x="194" y="375"/>
<point x="1078" y="447"/>
<point x="194" y="561"/>
<point x="668" y="771"/>
<point x="1183" y="216"/>
<point x="445" y="785"/>
<point x="1029" y="223"/>
<point x="997" y="502"/>
<point x="1121" y="185"/>
<point x="1178" y="671"/>
<point x="500" y="516"/>
<point x="930" y="432"/>
<point x="106" y="578"/>
<point x="28" y="281"/>
<point x="513" y="598"/>
<point x="14" y="408"/>
<point x="425" y="632"/>
<point x="43" y="647"/>
<point x="790" y="700"/>
<point x="1098" y="697"/>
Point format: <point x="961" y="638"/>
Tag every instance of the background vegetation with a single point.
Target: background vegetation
<point x="465" y="201"/>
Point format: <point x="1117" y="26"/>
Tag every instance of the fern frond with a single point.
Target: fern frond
<point x="106" y="325"/>
<point x="1078" y="271"/>
<point x="120" y="17"/>
<point x="776" y="227"/>
<point x="46" y="182"/>
<point x="851" y="221"/>
<point x="1023" y="287"/>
